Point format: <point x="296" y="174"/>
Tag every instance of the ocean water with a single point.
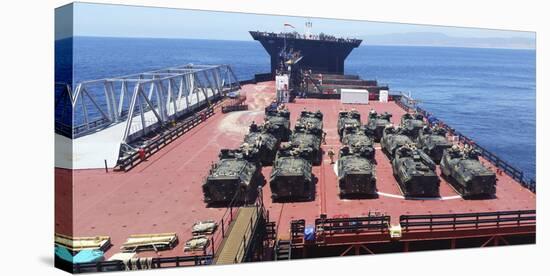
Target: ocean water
<point x="487" y="94"/>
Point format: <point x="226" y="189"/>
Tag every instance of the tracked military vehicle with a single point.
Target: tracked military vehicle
<point x="281" y="118"/>
<point x="433" y="142"/>
<point x="356" y="173"/>
<point x="466" y="173"/>
<point x="313" y="121"/>
<point x="413" y="123"/>
<point x="393" y="138"/>
<point x="377" y="123"/>
<point x="415" y="172"/>
<point x="234" y="178"/>
<point x="291" y="178"/>
<point x="305" y="137"/>
<point x="348" y="119"/>
<point x="264" y="139"/>
<point x="356" y="138"/>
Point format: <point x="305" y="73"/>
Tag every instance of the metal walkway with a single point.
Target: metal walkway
<point x="241" y="231"/>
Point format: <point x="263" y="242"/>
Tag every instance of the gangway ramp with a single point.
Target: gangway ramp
<point x="241" y="232"/>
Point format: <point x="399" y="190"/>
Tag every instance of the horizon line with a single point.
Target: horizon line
<point x="252" y="40"/>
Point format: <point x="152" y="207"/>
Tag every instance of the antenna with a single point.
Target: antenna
<point x="309" y="25"/>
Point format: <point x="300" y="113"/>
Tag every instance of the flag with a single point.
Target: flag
<point x="286" y="24"/>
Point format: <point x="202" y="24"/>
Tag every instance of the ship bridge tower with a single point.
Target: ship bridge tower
<point x="322" y="54"/>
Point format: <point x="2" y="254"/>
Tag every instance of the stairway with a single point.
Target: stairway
<point x="283" y="250"/>
<point x="241" y="230"/>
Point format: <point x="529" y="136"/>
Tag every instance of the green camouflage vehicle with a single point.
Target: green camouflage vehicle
<point x="413" y="123"/>
<point x="357" y="139"/>
<point x="433" y="141"/>
<point x="234" y="178"/>
<point x="312" y="121"/>
<point x="291" y="178"/>
<point x="415" y="172"/>
<point x="356" y="173"/>
<point x="466" y="173"/>
<point x="348" y="119"/>
<point x="393" y="138"/>
<point x="377" y="123"/>
<point x="264" y="139"/>
<point x="280" y="118"/>
<point x="302" y="137"/>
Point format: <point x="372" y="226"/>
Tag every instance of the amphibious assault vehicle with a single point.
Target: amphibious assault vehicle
<point x="291" y="178"/>
<point x="264" y="139"/>
<point x="234" y="178"/>
<point x="356" y="138"/>
<point x="413" y="123"/>
<point x="312" y="120"/>
<point x="415" y="172"/>
<point x="377" y="123"/>
<point x="356" y="173"/>
<point x="393" y="138"/>
<point x="348" y="118"/>
<point x="466" y="173"/>
<point x="304" y="137"/>
<point x="433" y="142"/>
<point x="281" y="118"/>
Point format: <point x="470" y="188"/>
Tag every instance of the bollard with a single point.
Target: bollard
<point x="106" y="169"/>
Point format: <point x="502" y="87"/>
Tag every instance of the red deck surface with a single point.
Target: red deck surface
<point x="164" y="193"/>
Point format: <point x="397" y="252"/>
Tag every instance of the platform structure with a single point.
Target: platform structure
<point x="164" y="194"/>
<point x="110" y="112"/>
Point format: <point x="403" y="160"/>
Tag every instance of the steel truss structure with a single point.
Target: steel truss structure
<point x="144" y="101"/>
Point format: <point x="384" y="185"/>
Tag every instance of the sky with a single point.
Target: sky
<point x="130" y="21"/>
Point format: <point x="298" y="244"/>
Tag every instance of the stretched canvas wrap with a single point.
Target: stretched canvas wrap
<point x="192" y="138"/>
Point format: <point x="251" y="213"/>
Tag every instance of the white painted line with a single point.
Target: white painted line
<point x="335" y="168"/>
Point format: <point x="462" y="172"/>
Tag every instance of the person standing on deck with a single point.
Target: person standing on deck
<point x="331" y="155"/>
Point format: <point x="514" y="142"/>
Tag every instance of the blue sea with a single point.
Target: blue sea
<point x="487" y="94"/>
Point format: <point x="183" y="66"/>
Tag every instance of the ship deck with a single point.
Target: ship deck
<point x="163" y="194"/>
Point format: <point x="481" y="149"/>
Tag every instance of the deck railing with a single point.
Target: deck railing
<point x="162" y="262"/>
<point x="467" y="220"/>
<point x="330" y="226"/>
<point x="515" y="173"/>
<point x="126" y="163"/>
